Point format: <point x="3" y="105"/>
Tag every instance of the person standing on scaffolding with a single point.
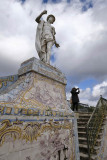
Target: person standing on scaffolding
<point x="75" y="98"/>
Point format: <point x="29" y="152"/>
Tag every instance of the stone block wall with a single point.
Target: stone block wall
<point x="30" y="137"/>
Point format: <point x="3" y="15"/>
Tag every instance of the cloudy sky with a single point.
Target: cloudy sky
<point x="81" y="31"/>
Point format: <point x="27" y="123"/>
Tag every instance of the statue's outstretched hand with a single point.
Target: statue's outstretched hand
<point x="57" y="45"/>
<point x="44" y="12"/>
<point x="39" y="17"/>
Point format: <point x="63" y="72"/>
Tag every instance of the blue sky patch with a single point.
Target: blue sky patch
<point x="45" y="1"/>
<point x="83" y="1"/>
<point x="86" y="5"/>
<point x="68" y="1"/>
<point x="55" y="1"/>
<point x="23" y="1"/>
<point x="53" y="59"/>
<point x="88" y="83"/>
<point x="84" y="8"/>
<point x="90" y="5"/>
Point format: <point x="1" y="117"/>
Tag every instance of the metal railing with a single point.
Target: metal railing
<point x="94" y="125"/>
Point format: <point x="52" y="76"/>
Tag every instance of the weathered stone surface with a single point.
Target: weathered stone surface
<point x="37" y="140"/>
<point x="42" y="68"/>
<point x="6" y="81"/>
<point x="35" y="121"/>
<point x="34" y="90"/>
<point x="37" y="89"/>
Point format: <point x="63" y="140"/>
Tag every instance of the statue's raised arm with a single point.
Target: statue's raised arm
<point x="39" y="17"/>
<point x="45" y="37"/>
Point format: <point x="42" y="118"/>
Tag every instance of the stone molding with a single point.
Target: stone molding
<point x="42" y="68"/>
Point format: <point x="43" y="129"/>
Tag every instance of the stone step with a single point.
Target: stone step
<point x="96" y="148"/>
<point x="83" y="120"/>
<point x="93" y="157"/>
<point x="82" y="134"/>
<point x="84" y="116"/>
<point x="85" y="113"/>
<point x="94" y="119"/>
<point x="84" y="156"/>
<point x="82" y="140"/>
<point x="81" y="123"/>
<point x="91" y="128"/>
<point x="82" y="137"/>
<point x="83" y="148"/>
<point x="81" y="128"/>
<point x="84" y="151"/>
<point x="98" y="138"/>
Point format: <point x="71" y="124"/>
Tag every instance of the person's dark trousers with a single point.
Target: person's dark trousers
<point x="75" y="105"/>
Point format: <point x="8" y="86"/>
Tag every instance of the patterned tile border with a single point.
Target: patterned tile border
<point x="33" y="112"/>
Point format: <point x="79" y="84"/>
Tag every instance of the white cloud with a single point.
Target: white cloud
<point x="91" y="96"/>
<point x="17" y="35"/>
<point x="83" y="44"/>
<point x="100" y="89"/>
<point x="84" y="97"/>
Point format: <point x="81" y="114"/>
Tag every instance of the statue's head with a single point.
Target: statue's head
<point x="51" y="18"/>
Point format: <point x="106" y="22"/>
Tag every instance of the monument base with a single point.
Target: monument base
<point x="35" y="120"/>
<point x="39" y="86"/>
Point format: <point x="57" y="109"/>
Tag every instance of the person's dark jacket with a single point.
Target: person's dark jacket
<point x="75" y="93"/>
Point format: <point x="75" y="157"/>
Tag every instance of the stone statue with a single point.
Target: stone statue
<point x="45" y="37"/>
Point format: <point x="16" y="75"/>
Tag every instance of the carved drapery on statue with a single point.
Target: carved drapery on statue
<point x="38" y="37"/>
<point x="45" y="37"/>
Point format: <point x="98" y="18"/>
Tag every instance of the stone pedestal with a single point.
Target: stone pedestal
<point x="39" y="86"/>
<point x="43" y="69"/>
<point x="35" y="121"/>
